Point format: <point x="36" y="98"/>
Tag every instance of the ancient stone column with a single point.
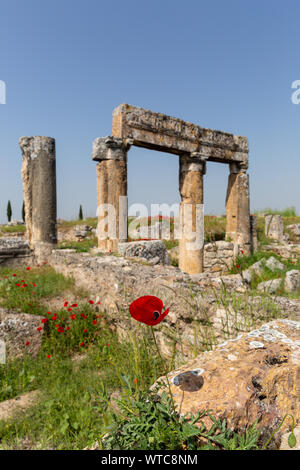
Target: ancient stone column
<point x="112" y="204"/>
<point x="238" y="207"/>
<point x="274" y="227"/>
<point x="191" y="171"/>
<point x="39" y="183"/>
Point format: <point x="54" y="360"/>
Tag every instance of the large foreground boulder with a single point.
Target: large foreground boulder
<point x="252" y="377"/>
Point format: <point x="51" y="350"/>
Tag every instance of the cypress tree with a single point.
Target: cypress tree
<point x="80" y="213"/>
<point x="23" y="212"/>
<point x="9" y="211"/>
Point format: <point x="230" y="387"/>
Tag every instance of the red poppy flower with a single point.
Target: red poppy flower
<point x="81" y="344"/>
<point x="73" y="316"/>
<point x="39" y="328"/>
<point x="49" y="355"/>
<point x="94" y="322"/>
<point x="28" y="269"/>
<point x="74" y="305"/>
<point x="44" y="320"/>
<point x="85" y="330"/>
<point x="38" y="265"/>
<point x="48" y="313"/>
<point x="135" y="381"/>
<point x="34" y="284"/>
<point x="242" y="251"/>
<point x="14" y="275"/>
<point x="27" y="343"/>
<point x="67" y="328"/>
<point x="18" y="285"/>
<point x="44" y="262"/>
<point x="70" y="309"/>
<point x="54" y="317"/>
<point x="66" y="304"/>
<point x="60" y="329"/>
<point x="238" y="266"/>
<point x="148" y="309"/>
<point x="91" y="302"/>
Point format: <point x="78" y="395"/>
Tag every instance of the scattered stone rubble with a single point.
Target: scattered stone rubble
<point x="152" y="251"/>
<point x="14" y="251"/>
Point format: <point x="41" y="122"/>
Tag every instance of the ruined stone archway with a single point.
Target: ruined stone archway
<point x="194" y="145"/>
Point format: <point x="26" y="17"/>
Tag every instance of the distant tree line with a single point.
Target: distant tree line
<point x="9" y="211"/>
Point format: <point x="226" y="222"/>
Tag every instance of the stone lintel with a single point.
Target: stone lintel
<point x="110" y="148"/>
<point x="160" y="132"/>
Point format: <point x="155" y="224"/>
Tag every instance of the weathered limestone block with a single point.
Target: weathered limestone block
<point x="256" y="268"/>
<point x="295" y="229"/>
<point x="273" y="264"/>
<point x="39" y="182"/>
<point x="82" y="231"/>
<point x="168" y="134"/>
<point x="219" y="256"/>
<point x="270" y="286"/>
<point x="274" y="227"/>
<point x="253" y="233"/>
<point x="238" y="207"/>
<point x="112" y="202"/>
<point x="17" y="329"/>
<point x="152" y="250"/>
<point x="292" y="281"/>
<point x="191" y="214"/>
<point x="252" y="377"/>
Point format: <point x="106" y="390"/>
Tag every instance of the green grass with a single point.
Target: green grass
<point x="93" y="382"/>
<point x="40" y="284"/>
<point x="76" y="407"/>
<point x="13" y="229"/>
<point x="169" y="244"/>
<point x="91" y="221"/>
<point x="75" y="403"/>
<point x="83" y="246"/>
<point x="287" y="212"/>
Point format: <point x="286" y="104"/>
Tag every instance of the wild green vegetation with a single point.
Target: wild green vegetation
<point x="93" y="384"/>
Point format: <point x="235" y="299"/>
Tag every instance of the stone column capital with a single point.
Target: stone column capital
<point x="193" y="162"/>
<point x="110" y="148"/>
<point x="238" y="167"/>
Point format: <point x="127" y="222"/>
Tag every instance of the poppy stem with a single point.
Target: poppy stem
<point x="166" y="372"/>
<point x="156" y="345"/>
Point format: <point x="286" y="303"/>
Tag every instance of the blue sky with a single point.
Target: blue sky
<point x="225" y="65"/>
